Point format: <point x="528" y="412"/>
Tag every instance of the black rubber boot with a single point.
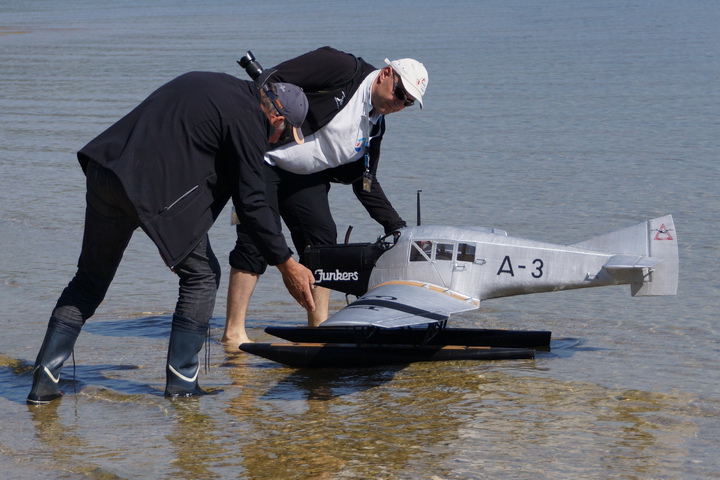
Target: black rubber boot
<point x="56" y="348"/>
<point x="186" y="340"/>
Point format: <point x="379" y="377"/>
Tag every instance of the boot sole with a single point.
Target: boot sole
<point x="42" y="400"/>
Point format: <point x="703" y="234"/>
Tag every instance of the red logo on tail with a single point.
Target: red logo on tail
<point x="663" y="233"/>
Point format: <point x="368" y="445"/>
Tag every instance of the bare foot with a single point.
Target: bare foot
<point x="233" y="342"/>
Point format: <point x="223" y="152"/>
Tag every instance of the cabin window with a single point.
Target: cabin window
<point x="466" y="253"/>
<point x="421" y="251"/>
<point x="444" y="251"/>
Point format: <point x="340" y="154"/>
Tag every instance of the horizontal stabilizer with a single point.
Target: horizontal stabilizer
<point x="631" y="262"/>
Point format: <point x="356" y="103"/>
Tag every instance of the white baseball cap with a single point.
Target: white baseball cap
<point x="413" y="75"/>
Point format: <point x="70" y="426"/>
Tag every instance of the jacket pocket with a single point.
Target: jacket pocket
<point x="181" y="203"/>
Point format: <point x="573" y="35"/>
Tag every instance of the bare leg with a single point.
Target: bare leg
<point x="241" y="287"/>
<point x="321" y="295"/>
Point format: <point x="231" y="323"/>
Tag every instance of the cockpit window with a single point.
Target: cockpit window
<point x="421" y="251"/>
<point x="466" y="253"/>
<point x="444" y="251"/>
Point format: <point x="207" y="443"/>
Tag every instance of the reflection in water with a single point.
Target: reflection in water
<point x="194" y="438"/>
<point x="365" y="423"/>
<point x="616" y="433"/>
<point x="453" y="419"/>
<point x="464" y="420"/>
<point x="62" y="444"/>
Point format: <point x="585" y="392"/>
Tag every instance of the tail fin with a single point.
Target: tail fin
<point x="650" y="246"/>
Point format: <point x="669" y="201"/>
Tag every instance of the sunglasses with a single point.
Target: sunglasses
<point x="401" y="95"/>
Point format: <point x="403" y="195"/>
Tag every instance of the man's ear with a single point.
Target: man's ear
<point x="277" y="121"/>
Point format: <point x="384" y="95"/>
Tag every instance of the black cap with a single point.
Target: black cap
<point x="292" y="104"/>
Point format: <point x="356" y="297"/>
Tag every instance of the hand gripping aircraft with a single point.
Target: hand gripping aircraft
<point x="409" y="283"/>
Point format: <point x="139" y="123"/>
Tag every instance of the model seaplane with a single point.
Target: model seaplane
<point x="408" y="283"/>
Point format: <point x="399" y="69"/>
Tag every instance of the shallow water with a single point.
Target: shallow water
<point x="554" y="121"/>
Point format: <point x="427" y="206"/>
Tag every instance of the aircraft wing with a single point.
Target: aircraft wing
<point x="400" y="304"/>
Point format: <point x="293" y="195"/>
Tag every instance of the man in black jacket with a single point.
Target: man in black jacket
<point x="349" y="99"/>
<point x="169" y="167"/>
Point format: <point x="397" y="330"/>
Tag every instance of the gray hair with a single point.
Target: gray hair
<point x="266" y="102"/>
<point x="269" y="106"/>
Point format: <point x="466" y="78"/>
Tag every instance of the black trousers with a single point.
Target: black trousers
<point x="302" y="203"/>
<point x="110" y="221"/>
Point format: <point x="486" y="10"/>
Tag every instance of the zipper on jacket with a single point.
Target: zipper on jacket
<point x="181" y="197"/>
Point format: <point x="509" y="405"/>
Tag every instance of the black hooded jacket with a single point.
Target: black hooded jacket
<point x="188" y="148"/>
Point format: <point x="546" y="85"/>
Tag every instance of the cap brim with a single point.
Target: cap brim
<point x="413" y="91"/>
<point x="298" y="135"/>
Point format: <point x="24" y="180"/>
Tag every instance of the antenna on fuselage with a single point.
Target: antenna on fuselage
<point x="418" y="207"/>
